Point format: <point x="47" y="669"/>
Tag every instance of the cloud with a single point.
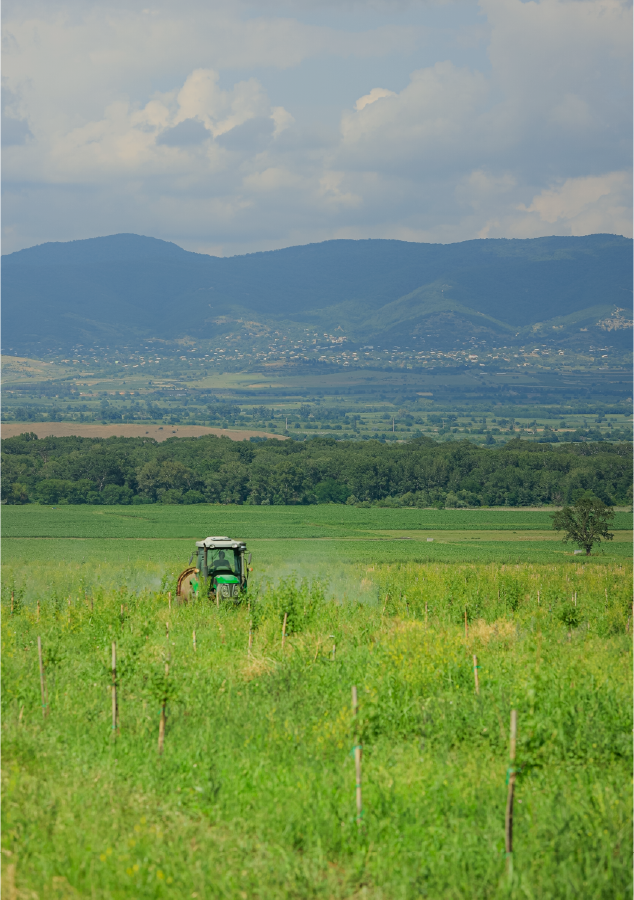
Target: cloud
<point x="374" y="95"/>
<point x="586" y="205"/>
<point x="425" y="124"/>
<point x="15" y="129"/>
<point x="186" y="133"/>
<point x="181" y="121"/>
<point x="251" y="136"/>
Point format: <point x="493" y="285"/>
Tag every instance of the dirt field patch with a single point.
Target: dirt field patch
<point x="158" y="432"/>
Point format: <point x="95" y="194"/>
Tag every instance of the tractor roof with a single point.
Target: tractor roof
<point x="221" y="543"/>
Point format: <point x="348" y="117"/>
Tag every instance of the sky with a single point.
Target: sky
<point x="231" y="127"/>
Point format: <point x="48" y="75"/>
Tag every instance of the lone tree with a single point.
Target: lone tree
<point x="585" y="522"/>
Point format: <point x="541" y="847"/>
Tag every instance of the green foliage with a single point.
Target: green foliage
<point x="299" y="602"/>
<point x="160" y="684"/>
<point x="570" y="615"/>
<point x="585" y="523"/>
<point x="254" y="793"/>
<point x="421" y="473"/>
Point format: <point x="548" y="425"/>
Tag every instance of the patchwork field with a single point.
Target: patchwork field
<point x="157" y="432"/>
<point x="253" y="795"/>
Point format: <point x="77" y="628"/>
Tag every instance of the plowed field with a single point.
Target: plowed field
<point x="158" y="432"/>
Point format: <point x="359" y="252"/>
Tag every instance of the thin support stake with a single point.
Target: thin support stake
<point x="357" y="767"/>
<point x="508" y="822"/>
<point x="284" y="629"/>
<point x="475" y="674"/>
<point x="194" y="639"/>
<point x="161" y="735"/>
<point x="357" y="756"/>
<point x="42" y="678"/>
<point x="115" y="707"/>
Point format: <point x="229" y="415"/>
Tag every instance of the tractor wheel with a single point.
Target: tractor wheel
<point x="188" y="584"/>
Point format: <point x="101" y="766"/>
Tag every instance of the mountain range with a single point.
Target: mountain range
<point x="124" y="287"/>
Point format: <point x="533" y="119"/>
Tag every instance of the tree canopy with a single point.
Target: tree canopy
<point x="585" y="523"/>
<point x="211" y="469"/>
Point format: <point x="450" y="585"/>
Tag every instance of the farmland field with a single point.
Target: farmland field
<point x="254" y="794"/>
<point x="156" y="432"/>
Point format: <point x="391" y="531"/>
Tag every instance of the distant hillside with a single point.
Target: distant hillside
<point x="125" y="286"/>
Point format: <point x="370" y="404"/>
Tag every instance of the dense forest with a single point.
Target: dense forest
<point x="213" y="469"/>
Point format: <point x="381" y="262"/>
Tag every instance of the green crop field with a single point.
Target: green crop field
<point x="253" y="795"/>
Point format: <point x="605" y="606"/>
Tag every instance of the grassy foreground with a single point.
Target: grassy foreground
<point x="253" y="795"/>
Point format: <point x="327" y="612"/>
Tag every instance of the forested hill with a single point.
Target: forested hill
<point x="126" y="287"/>
<point x="211" y="469"/>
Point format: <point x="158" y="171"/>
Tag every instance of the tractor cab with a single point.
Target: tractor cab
<point x="220" y="572"/>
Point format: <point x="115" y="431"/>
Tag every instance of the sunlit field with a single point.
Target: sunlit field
<point x="253" y="795"/>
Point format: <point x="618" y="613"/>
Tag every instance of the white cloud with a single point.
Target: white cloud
<point x="584" y="204"/>
<point x="374" y="95"/>
<point x="169" y="122"/>
<point x="426" y="122"/>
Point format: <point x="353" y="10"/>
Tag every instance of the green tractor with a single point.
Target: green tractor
<point x="221" y="571"/>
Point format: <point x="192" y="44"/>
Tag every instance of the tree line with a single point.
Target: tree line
<point x="210" y="469"/>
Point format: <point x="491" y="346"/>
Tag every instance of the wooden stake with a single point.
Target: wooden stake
<point x="42" y="678"/>
<point x="12" y="891"/>
<point x="357" y="757"/>
<point x="475" y="674"/>
<point x="194" y="639"/>
<point x="115" y="708"/>
<point x="508" y="822"/>
<point x="167" y="630"/>
<point x="161" y="735"/>
<point x="466" y="624"/>
<point x="284" y="629"/>
<point x="538" y="598"/>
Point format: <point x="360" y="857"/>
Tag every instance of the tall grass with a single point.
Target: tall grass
<point x="254" y="793"/>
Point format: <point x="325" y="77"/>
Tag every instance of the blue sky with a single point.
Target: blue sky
<point x="231" y="127"/>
